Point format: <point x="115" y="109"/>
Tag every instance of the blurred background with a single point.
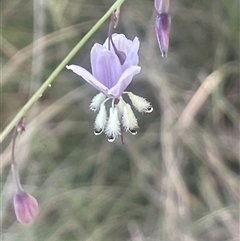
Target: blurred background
<point x="177" y="179"/>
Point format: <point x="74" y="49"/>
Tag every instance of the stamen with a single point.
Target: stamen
<point x="129" y="120"/>
<point x="100" y="120"/>
<point x="120" y="106"/>
<point x="113" y="125"/>
<point x="141" y="104"/>
<point x="97" y="101"/>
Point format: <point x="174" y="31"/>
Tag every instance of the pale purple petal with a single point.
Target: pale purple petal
<point x="130" y="48"/>
<point x="96" y="51"/>
<point x="88" y="77"/>
<point x="121" y="42"/>
<point x="124" y="81"/>
<point x="112" y="70"/>
<point x="132" y="55"/>
<point x="26" y="207"/>
<point x="106" y="68"/>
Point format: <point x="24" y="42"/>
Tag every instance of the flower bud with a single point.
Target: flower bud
<point x="26" y="207"/>
<point x="162" y="27"/>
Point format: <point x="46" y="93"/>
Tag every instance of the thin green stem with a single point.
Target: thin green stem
<point x="55" y="73"/>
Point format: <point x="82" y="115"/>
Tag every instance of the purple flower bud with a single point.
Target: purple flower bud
<point x="26" y="207"/>
<point x="162" y="6"/>
<point x="163" y="24"/>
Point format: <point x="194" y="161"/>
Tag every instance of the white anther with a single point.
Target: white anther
<point x="111" y="139"/>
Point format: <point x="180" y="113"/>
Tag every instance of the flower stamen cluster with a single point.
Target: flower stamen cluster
<point x="120" y="114"/>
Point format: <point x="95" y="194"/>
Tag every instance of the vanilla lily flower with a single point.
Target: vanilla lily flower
<point x="113" y="66"/>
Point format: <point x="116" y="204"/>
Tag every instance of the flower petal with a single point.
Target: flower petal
<point x="88" y="77"/>
<point x="106" y="66"/>
<point x="96" y="51"/>
<point x="124" y="81"/>
<point x="132" y="55"/>
<point x="130" y="48"/>
<point x="26" y="207"/>
<point x="121" y="42"/>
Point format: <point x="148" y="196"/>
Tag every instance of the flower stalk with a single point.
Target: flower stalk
<point x="25" y="205"/>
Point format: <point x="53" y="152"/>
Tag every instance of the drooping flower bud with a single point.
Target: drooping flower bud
<point x="162" y="27"/>
<point x="26" y="207"/>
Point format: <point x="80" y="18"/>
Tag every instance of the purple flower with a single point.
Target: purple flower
<point x="109" y="75"/>
<point x="162" y="27"/>
<point x="113" y="66"/>
<point x="26" y="207"/>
